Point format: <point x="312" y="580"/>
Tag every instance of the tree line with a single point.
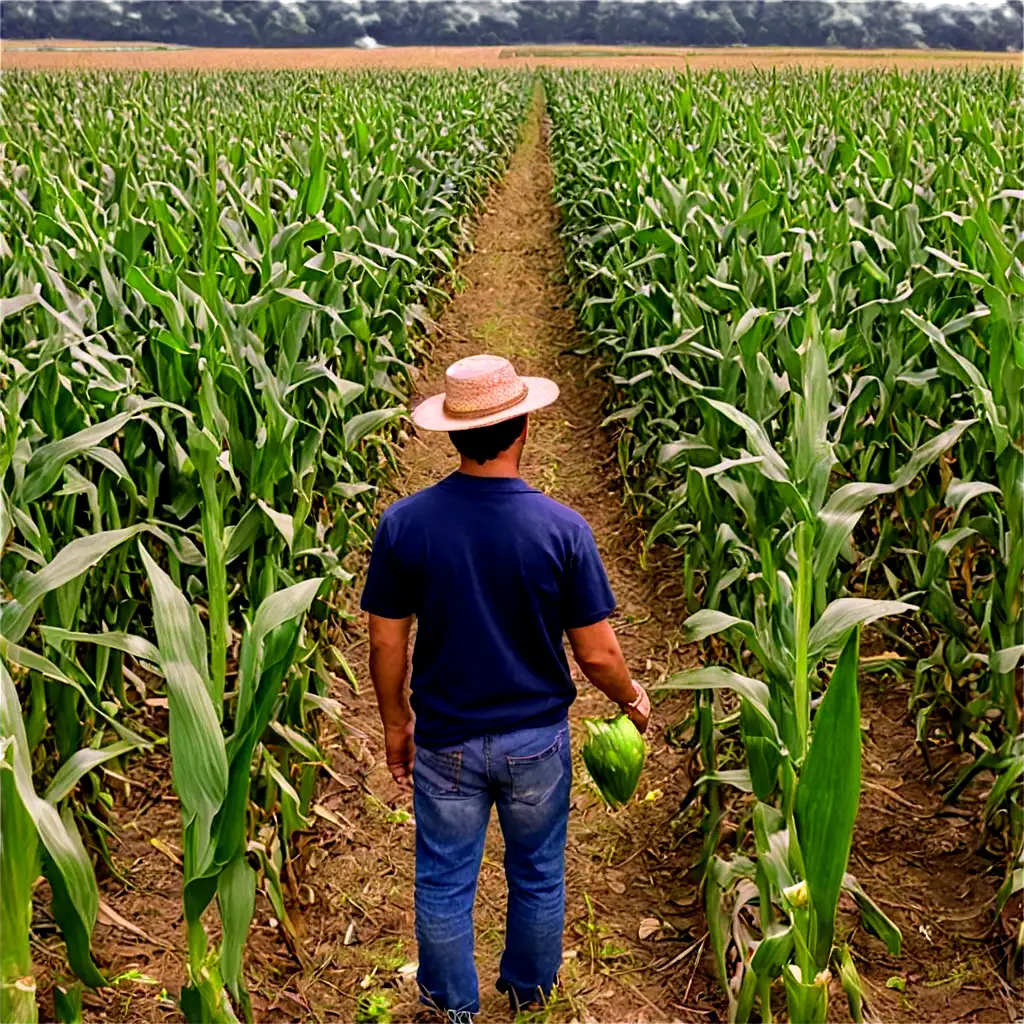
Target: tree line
<point x="874" y="24"/>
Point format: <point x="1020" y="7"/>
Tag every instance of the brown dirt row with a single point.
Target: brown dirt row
<point x="77" y="56"/>
<point x="512" y="300"/>
<point x="351" y="892"/>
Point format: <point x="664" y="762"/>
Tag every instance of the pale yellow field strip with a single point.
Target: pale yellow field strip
<point x="58" y="55"/>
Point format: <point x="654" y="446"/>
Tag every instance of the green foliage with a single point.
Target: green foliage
<point x="373" y="1008"/>
<point x="210" y="298"/>
<point x="809" y="295"/>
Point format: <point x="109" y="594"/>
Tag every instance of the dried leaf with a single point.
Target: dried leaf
<point x="167" y="850"/>
<point x="108" y="915"/>
<point x="328" y="815"/>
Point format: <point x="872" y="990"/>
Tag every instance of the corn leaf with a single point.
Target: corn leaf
<point x="67" y="866"/>
<point x="827" y="795"/>
<point x="198" y="760"/>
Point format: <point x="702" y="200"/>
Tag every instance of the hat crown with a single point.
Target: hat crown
<point x="480" y="385"/>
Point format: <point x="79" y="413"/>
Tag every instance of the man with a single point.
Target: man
<point x="494" y="573"/>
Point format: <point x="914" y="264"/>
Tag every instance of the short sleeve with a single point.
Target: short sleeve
<point x="588" y="596"/>
<point x="387" y="592"/>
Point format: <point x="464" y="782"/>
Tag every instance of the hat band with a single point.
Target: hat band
<point x="472" y="414"/>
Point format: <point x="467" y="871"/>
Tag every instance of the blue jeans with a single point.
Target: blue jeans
<point x="528" y="774"/>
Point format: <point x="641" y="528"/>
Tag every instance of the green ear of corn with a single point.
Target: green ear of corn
<point x="614" y="753"/>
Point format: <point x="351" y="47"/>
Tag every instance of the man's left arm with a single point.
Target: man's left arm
<point x="587" y="602"/>
<point x="389" y="666"/>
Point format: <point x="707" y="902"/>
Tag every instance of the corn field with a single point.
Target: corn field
<point x="212" y="293"/>
<point x="808" y="292"/>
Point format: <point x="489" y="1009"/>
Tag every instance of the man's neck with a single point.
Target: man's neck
<point x="499" y="467"/>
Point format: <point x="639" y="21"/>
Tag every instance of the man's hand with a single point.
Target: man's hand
<point x="639" y="710"/>
<point x="401" y="752"/>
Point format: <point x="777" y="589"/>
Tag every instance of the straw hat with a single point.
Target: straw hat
<point x="480" y="391"/>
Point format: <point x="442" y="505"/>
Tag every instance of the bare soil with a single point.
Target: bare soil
<point x="511" y="299"/>
<point x="86" y="55"/>
<point x="351" y="886"/>
<point x="920" y="861"/>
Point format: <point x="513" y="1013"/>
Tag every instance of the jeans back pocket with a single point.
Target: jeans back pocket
<point x="437" y="772"/>
<point x="535" y="776"/>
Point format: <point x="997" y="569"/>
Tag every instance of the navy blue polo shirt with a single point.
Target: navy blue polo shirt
<point x="494" y="572"/>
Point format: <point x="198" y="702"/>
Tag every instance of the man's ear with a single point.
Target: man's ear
<point x="526" y="428"/>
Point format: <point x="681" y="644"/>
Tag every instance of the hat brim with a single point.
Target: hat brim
<point x="430" y="414"/>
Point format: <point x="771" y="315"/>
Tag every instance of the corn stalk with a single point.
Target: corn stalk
<point x="761" y="260"/>
<point x="210" y="301"/>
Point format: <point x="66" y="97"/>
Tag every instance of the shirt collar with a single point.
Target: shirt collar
<point x="486" y="484"/>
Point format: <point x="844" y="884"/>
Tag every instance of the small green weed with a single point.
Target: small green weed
<point x="373" y="1008"/>
<point x="391" y="958"/>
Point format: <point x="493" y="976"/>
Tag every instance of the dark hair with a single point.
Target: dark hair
<point x="481" y="444"/>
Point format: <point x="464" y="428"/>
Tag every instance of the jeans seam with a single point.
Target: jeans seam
<point x="541" y="755"/>
<point x="457" y="757"/>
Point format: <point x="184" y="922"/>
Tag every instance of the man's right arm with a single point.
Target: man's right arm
<point x="598" y="654"/>
<point x="387" y="599"/>
<point x="389" y="665"/>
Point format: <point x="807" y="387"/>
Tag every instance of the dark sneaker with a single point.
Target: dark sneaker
<point x="517" y="1005"/>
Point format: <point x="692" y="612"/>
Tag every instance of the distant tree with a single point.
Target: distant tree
<point x="160" y="22"/>
<point x="18" y="20"/>
<point x="979" y="26"/>
<point x="287" y="26"/>
<point x="715" y="23"/>
<point x="230" y="23"/>
<point x="393" y="22"/>
<point x="609" y="23"/>
<point x="845" y="28"/>
<point x="24" y="20"/>
<point x="335" y="23"/>
<point x="891" y="25"/>
<point x="850" y="23"/>
<point x="501" y="20"/>
<point x="803" y="24"/>
<point x="458" y="25"/>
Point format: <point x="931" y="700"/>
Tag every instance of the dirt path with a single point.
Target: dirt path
<point x="512" y="300"/>
<point x="351" y="902"/>
<point x="631" y="867"/>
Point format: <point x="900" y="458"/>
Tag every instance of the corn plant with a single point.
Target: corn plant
<point x="36" y="828"/>
<point x="209" y="304"/>
<point x="36" y="836"/>
<point x="764" y="260"/>
<point x="212" y="772"/>
<point x="813" y="808"/>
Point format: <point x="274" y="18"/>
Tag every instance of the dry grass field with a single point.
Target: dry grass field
<point x="58" y="55"/>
